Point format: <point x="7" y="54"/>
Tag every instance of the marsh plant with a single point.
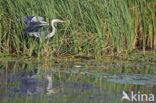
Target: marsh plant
<point x="96" y="28"/>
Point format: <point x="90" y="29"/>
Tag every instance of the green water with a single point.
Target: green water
<point x="75" y="81"/>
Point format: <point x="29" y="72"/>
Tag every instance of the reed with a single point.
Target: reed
<point x="96" y="28"/>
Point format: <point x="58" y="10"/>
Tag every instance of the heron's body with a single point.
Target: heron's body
<point x="38" y="28"/>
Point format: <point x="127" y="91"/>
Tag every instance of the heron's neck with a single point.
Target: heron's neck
<point x="49" y="82"/>
<point x="52" y="33"/>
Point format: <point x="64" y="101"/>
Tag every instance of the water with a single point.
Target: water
<point x="75" y="81"/>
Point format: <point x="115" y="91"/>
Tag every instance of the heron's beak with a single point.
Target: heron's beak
<point x="62" y="21"/>
<point x="67" y="21"/>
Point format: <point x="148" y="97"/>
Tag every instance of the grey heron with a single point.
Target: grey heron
<point x="36" y="26"/>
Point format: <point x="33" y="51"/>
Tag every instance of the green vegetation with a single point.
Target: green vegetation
<point x="96" y="28"/>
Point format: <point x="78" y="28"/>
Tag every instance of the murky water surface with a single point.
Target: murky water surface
<point x="76" y="81"/>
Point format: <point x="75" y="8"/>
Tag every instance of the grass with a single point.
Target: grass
<point x="96" y="28"/>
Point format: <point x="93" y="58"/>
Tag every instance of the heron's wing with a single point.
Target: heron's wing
<point x="29" y="19"/>
<point x="37" y="18"/>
